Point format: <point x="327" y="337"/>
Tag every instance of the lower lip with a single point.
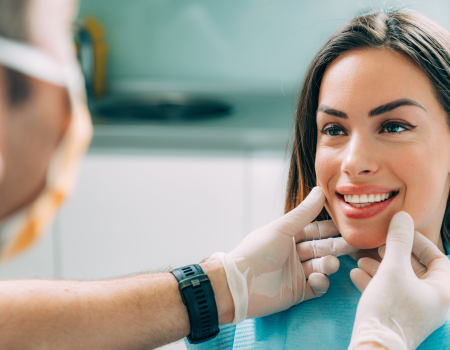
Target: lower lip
<point x="363" y="213"/>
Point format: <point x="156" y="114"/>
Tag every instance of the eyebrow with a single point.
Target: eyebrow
<point x="374" y="112"/>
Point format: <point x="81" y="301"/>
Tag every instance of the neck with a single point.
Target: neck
<point x="440" y="245"/>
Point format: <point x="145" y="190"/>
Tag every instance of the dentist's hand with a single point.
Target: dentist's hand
<point x="285" y="262"/>
<point x="406" y="300"/>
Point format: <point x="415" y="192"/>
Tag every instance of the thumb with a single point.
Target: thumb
<point x="400" y="238"/>
<point x="301" y="216"/>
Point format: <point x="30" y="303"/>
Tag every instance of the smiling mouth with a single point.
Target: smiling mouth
<point x="365" y="200"/>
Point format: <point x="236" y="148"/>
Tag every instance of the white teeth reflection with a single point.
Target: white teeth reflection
<point x="363" y="200"/>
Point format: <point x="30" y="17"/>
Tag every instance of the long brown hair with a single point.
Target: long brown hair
<point x="411" y="33"/>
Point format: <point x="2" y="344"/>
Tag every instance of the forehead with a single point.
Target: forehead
<point x="368" y="78"/>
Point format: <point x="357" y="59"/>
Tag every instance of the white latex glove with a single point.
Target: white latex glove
<point x="406" y="300"/>
<point x="269" y="272"/>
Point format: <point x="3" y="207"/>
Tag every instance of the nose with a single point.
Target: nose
<point x="360" y="157"/>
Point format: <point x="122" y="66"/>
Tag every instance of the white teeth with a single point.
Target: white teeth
<point x="363" y="200"/>
<point x="361" y="205"/>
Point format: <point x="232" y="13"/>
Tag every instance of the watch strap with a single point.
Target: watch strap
<point x="198" y="296"/>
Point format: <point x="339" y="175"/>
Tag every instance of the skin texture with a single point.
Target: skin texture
<point x="414" y="160"/>
<point x="29" y="135"/>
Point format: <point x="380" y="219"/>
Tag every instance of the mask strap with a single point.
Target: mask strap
<point x="31" y="61"/>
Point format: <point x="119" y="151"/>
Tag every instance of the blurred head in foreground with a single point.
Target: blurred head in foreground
<point x="44" y="123"/>
<point x="372" y="127"/>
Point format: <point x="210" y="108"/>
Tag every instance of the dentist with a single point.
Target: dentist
<point x="44" y="131"/>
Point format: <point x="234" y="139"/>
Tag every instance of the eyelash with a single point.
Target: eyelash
<point x="327" y="128"/>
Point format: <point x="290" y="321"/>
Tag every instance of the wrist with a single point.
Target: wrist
<point x="224" y="301"/>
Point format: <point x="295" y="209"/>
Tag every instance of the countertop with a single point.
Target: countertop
<point x="258" y="121"/>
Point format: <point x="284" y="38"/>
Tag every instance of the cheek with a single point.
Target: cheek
<point x="327" y="166"/>
<point x="426" y="191"/>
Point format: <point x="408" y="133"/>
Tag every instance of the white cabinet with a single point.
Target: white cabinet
<point x="267" y="188"/>
<point x="151" y="211"/>
<point x="36" y="262"/>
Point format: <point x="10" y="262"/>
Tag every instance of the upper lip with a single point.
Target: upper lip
<point x="364" y="189"/>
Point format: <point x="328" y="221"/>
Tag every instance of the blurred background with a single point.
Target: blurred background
<point x="192" y="103"/>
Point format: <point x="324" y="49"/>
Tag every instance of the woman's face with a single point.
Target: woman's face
<point x="383" y="146"/>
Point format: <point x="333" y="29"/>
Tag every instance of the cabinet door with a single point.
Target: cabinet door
<point x="145" y="212"/>
<point x="268" y="173"/>
<point x="35" y="262"/>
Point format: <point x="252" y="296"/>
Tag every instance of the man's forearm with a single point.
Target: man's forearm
<point x="141" y="312"/>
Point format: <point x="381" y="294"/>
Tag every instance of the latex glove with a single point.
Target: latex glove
<point x="269" y="272"/>
<point x="406" y="300"/>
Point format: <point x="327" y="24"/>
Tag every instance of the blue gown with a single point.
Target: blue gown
<point x="322" y="323"/>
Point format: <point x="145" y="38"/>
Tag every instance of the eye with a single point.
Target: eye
<point x="332" y="130"/>
<point x="395" y="128"/>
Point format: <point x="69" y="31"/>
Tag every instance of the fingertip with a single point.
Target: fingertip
<point x="354" y="272"/>
<point x="319" y="283"/>
<point x="400" y="236"/>
<point x="331" y="264"/>
<point x="382" y="250"/>
<point x="425" y="250"/>
<point x="361" y="262"/>
<point x="302" y="215"/>
<point x="316" y="193"/>
<point x="360" y="279"/>
<point x="402" y="219"/>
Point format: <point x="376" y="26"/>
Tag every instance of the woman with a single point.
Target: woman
<point x="336" y="145"/>
<point x="372" y="129"/>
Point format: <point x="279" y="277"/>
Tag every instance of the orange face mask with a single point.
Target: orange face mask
<point x="23" y="228"/>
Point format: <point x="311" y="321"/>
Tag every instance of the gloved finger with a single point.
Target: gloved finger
<point x="437" y="264"/>
<point x="399" y="239"/>
<point x="425" y="250"/>
<point x="326" y="265"/>
<point x="418" y="268"/>
<point x="369" y="266"/>
<point x="382" y="250"/>
<point x="330" y="246"/>
<point x="296" y="220"/>
<point x="316" y="286"/>
<point x="317" y="230"/>
<point x="360" y="279"/>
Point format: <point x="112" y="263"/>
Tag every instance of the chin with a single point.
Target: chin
<point x="363" y="238"/>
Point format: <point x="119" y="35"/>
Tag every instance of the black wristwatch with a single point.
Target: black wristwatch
<point x="198" y="296"/>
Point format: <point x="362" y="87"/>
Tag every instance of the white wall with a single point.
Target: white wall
<point x="259" y="43"/>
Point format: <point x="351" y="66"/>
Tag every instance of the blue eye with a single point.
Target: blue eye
<point x="332" y="130"/>
<point x="392" y="128"/>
